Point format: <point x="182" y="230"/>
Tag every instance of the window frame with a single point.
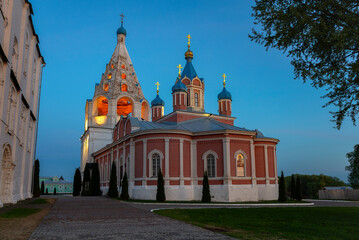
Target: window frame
<point x="150" y="161"/>
<point x="244" y="155"/>
<point x="205" y="162"/>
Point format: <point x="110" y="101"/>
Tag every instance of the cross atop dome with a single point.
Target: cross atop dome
<point x="224" y="79"/>
<point x="122" y="30"/>
<point x="122" y="16"/>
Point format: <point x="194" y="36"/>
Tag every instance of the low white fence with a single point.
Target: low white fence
<point x="349" y="194"/>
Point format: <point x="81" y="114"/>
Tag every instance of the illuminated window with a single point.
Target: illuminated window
<point x="109" y="76"/>
<point x="123" y="66"/>
<point x="196" y="99"/>
<point x="240" y="165"/>
<point x="123" y="76"/>
<point x="124" y="88"/>
<point x="211" y="165"/>
<point x="105" y="87"/>
<point x="112" y="66"/>
<point x="102" y="106"/>
<point x="156" y="164"/>
<point x="124" y="106"/>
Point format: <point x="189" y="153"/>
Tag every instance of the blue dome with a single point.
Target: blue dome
<point x="179" y="87"/>
<point x="157" y="101"/>
<point x="122" y="30"/>
<point x="224" y="94"/>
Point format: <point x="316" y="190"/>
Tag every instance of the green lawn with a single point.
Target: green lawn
<point x="39" y="201"/>
<point x="19" y="212"/>
<point x="275" y="223"/>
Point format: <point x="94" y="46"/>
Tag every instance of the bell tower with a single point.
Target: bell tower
<point x="117" y="94"/>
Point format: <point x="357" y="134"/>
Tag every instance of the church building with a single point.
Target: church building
<point x="121" y="126"/>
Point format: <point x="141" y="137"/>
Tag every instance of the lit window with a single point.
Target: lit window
<point x="109" y="76"/>
<point x="123" y="76"/>
<point x="156" y="164"/>
<point x="240" y="165"/>
<point x="105" y="87"/>
<point x="112" y="66"/>
<point x="124" y="88"/>
<point x="196" y="99"/>
<point x="211" y="166"/>
<point x="123" y="66"/>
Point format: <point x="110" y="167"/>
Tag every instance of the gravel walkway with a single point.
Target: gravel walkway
<point x="102" y="218"/>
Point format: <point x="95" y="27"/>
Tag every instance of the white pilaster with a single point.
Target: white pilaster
<point x="167" y="161"/>
<point x="194" y="162"/>
<point x="144" y="161"/>
<point x="275" y="164"/>
<point x="226" y="161"/>
<point x="266" y="163"/>
<point x="181" y="162"/>
<point x="253" y="164"/>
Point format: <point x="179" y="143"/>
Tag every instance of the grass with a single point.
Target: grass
<point x="39" y="201"/>
<point x="19" y="212"/>
<point x="199" y="202"/>
<point x="274" y="223"/>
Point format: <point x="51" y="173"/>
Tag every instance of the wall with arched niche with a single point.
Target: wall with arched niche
<point x="7" y="174"/>
<point x="145" y="110"/>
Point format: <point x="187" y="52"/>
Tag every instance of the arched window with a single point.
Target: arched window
<point x="105" y="87"/>
<point x="123" y="76"/>
<point x="240" y="165"/>
<point x="156" y="164"/>
<point x="211" y="165"/>
<point x="15" y="55"/>
<point x="124" y="88"/>
<point x="102" y="106"/>
<point x="196" y="99"/>
<point x="124" y="106"/>
<point x="109" y="76"/>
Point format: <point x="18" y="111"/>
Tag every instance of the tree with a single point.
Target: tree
<point x="282" y="194"/>
<point x="206" y="195"/>
<point x="61" y="178"/>
<point x="124" y="193"/>
<point x="54" y="191"/>
<point x="113" y="191"/>
<point x="95" y="181"/>
<point x="47" y="192"/>
<point x="160" y="196"/>
<point x="36" y="190"/>
<point x="321" y="38"/>
<point x="353" y="168"/>
<point x="86" y="182"/>
<point x="298" y="190"/>
<point x="292" y="188"/>
<point x="76" y="189"/>
<point x="42" y="188"/>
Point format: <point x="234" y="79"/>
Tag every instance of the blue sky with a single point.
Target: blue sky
<point x="77" y="39"/>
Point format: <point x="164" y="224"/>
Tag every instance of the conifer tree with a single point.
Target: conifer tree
<point x="76" y="189"/>
<point x="36" y="190"/>
<point x="206" y="195"/>
<point x="124" y="192"/>
<point x="42" y="188"/>
<point x="292" y="188"/>
<point x="282" y="194"/>
<point x="95" y="181"/>
<point x="160" y="196"/>
<point x="54" y="191"/>
<point x="86" y="182"/>
<point x="47" y="192"/>
<point x="298" y="190"/>
<point x="113" y="191"/>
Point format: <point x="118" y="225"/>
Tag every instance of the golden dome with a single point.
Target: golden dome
<point x="188" y="54"/>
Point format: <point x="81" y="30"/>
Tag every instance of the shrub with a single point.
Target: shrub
<point x="292" y="187"/>
<point x="113" y="191"/>
<point x="282" y="194"/>
<point x="36" y="191"/>
<point x="206" y="195"/>
<point x="42" y="188"/>
<point x="124" y="192"/>
<point x="95" y="181"/>
<point x="298" y="189"/>
<point x="77" y="183"/>
<point x="86" y="182"/>
<point x="54" y="191"/>
<point x="160" y="196"/>
<point x="47" y="192"/>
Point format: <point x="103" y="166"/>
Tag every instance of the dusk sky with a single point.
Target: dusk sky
<point x="77" y="39"/>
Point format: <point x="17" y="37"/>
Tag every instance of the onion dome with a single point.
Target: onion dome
<point x="179" y="87"/>
<point x="188" y="55"/>
<point x="224" y="94"/>
<point x="122" y="30"/>
<point x="157" y="101"/>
